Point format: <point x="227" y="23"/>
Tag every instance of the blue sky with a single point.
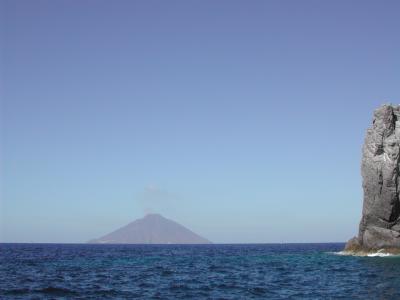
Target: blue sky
<point x="242" y="120"/>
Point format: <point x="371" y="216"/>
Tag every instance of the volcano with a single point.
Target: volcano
<point x="152" y="229"/>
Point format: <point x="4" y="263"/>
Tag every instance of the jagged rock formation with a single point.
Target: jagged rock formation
<point x="380" y="222"/>
<point x="152" y="229"/>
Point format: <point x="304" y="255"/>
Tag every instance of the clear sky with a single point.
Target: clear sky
<point x="242" y="120"/>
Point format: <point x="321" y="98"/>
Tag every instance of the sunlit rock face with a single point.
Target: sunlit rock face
<point x="380" y="223"/>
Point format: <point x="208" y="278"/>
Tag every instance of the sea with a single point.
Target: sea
<point x="239" y="271"/>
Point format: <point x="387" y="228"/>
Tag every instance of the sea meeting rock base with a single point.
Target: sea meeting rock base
<point x="380" y="223"/>
<point x="353" y="247"/>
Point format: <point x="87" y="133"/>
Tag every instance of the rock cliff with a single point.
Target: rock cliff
<point x="380" y="222"/>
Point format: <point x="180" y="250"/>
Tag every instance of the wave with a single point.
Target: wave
<point x="379" y="253"/>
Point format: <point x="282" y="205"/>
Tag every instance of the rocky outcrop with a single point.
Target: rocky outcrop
<point x="380" y="222"/>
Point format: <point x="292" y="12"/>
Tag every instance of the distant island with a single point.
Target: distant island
<point x="152" y="229"/>
<point x="379" y="229"/>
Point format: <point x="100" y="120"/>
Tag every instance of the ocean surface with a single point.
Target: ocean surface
<point x="265" y="271"/>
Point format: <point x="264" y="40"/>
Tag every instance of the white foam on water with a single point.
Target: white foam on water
<point x="379" y="254"/>
<point x="340" y="253"/>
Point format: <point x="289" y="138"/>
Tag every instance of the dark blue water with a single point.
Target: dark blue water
<point x="284" y="271"/>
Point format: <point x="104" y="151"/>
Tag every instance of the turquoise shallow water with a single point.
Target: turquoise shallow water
<point x="265" y="271"/>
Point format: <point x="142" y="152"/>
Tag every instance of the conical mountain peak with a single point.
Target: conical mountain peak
<point x="152" y="229"/>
